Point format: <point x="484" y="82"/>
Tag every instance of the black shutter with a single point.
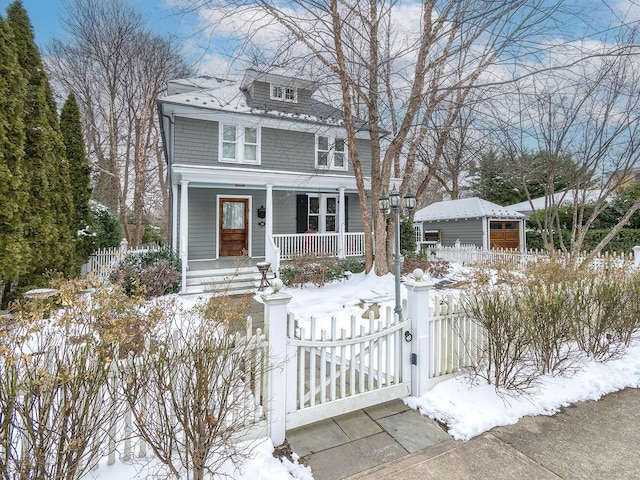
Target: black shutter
<point x="346" y="213"/>
<point x="302" y="212"/>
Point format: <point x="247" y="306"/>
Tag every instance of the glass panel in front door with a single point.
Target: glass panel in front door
<point x="233" y="215"/>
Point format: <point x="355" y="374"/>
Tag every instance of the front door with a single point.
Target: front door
<point x="233" y="224"/>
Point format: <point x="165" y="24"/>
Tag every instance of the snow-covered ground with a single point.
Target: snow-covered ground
<point x="468" y="408"/>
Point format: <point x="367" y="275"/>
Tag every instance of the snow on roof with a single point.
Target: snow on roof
<point x="462" y="208"/>
<point x="217" y="93"/>
<point x="566" y="197"/>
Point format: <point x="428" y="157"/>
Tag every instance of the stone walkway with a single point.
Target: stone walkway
<point x="352" y="443"/>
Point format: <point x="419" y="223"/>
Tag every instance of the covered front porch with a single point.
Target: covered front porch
<point x="231" y="227"/>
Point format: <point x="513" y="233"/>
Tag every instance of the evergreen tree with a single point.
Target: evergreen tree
<point x="49" y="206"/>
<point x="12" y="138"/>
<point x="80" y="179"/>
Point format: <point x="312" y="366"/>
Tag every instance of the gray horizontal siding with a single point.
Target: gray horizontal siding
<point x="469" y="232"/>
<point x="261" y="98"/>
<point x="196" y="143"/>
<point x="203" y="221"/>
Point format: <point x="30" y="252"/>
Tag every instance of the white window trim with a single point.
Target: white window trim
<point x="322" y="213"/>
<point x="330" y="156"/>
<point x="239" y="144"/>
<point x="283" y="90"/>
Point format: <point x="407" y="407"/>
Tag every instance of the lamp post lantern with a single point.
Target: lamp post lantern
<point x="393" y="204"/>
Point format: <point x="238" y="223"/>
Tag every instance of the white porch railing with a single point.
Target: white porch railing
<point x="319" y="244"/>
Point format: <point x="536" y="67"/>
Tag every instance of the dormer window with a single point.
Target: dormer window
<point x="285" y="94"/>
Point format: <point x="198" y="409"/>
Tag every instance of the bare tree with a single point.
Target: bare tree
<point x="588" y="114"/>
<point x="452" y="148"/>
<point x="395" y="81"/>
<point x="117" y="69"/>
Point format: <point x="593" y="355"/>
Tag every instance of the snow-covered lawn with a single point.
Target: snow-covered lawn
<point x="468" y="408"/>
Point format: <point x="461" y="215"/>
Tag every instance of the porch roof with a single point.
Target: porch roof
<point x="210" y="176"/>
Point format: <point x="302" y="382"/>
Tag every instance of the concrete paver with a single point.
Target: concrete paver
<point x="357" y="425"/>
<point x="340" y="462"/>
<point x="385" y="409"/>
<point x="413" y="431"/>
<point x="316" y="437"/>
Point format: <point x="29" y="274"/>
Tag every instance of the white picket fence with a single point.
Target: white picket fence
<point x="244" y="406"/>
<point x="101" y="262"/>
<point x="457" y="340"/>
<point x="336" y="370"/>
<point x="476" y="256"/>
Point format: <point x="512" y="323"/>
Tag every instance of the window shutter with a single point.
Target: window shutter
<point x="302" y="212"/>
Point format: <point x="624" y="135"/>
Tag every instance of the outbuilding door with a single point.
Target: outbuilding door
<point x="504" y="234"/>
<point x="233" y="224"/>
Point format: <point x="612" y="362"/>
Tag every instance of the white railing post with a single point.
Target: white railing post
<point x="275" y="327"/>
<point x="419" y="311"/>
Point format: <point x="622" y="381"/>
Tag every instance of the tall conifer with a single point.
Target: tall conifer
<point x="12" y="138"/>
<point x="49" y="207"/>
<point x="80" y="177"/>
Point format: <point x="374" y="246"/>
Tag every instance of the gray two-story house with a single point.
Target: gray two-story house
<point x="259" y="170"/>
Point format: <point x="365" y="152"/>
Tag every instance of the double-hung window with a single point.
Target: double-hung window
<point x="239" y="144"/>
<point x="331" y="152"/>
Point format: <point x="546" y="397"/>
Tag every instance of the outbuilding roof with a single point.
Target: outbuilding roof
<point x="464" y="208"/>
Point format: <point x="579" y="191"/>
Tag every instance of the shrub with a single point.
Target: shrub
<point x="352" y="265"/>
<point x="105" y="226"/>
<point x="507" y="356"/>
<point x="305" y="269"/>
<point x="149" y="274"/>
<point x="437" y="268"/>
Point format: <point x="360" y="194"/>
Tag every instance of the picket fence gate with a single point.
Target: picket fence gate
<point x="335" y="371"/>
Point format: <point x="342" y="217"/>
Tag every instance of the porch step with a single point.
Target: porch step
<point x="228" y="281"/>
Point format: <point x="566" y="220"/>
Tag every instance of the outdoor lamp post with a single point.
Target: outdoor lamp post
<point x="393" y="204"/>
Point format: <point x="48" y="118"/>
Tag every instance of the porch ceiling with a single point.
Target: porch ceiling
<point x="244" y="177"/>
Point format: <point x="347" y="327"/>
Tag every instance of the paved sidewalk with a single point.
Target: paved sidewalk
<point x="589" y="440"/>
<point x="351" y="443"/>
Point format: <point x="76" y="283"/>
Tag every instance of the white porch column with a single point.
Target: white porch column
<point x="268" y="220"/>
<point x="341" y="225"/>
<point x="275" y="329"/>
<point x="184" y="231"/>
<point x="174" y="218"/>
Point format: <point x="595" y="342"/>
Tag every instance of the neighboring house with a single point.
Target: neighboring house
<point x="564" y="198"/>
<point x="470" y="221"/>
<point x="259" y="170"/>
